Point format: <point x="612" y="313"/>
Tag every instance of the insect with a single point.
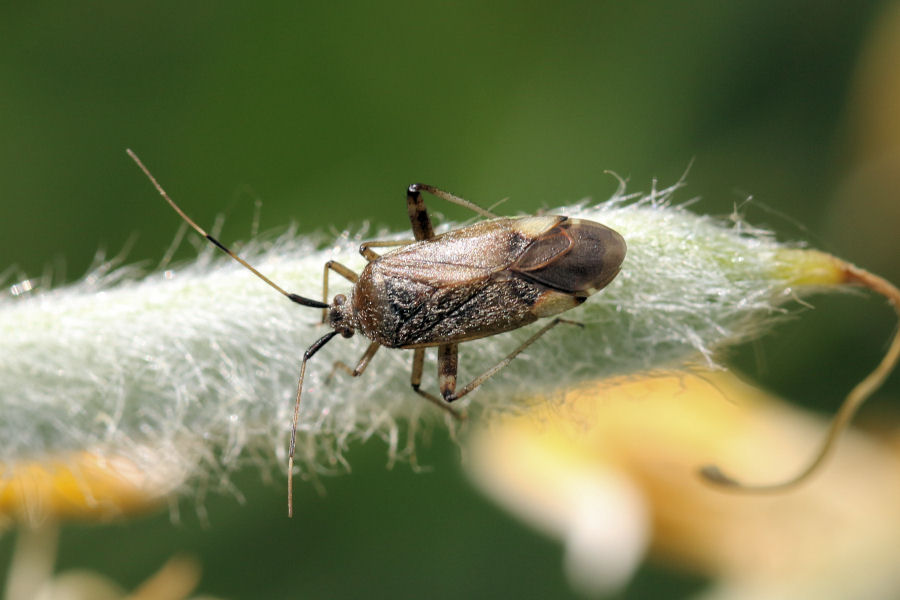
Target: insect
<point x="441" y="290"/>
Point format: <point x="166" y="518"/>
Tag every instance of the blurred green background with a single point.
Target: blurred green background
<point x="326" y="113"/>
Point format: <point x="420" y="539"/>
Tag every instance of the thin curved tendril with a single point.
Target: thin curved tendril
<point x="854" y="400"/>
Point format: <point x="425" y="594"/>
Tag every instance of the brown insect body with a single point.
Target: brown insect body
<point x="484" y="279"/>
<point x="440" y="290"/>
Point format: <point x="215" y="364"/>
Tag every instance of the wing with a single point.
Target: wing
<point x="470" y="252"/>
<point x="452" y="287"/>
<point x="467" y="312"/>
<point x="574" y="256"/>
<point x="484" y="279"/>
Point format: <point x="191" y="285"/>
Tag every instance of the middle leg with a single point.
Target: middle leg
<point x="345" y="272"/>
<point x="416" y="381"/>
<point x="366" y="247"/>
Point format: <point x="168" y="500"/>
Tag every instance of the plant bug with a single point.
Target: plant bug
<point x="441" y="290"/>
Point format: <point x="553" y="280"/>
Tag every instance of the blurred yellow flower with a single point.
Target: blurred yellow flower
<point x="85" y="485"/>
<point x="612" y="471"/>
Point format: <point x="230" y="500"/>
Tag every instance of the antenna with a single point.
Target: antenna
<point x="291" y="296"/>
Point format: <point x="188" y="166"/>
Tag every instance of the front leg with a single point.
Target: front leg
<point x="366" y="247"/>
<point x="341" y="270"/>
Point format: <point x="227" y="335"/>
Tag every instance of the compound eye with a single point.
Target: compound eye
<point x="340" y="299"/>
<point x="347" y="333"/>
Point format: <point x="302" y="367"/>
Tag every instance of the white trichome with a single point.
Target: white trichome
<point x="202" y="359"/>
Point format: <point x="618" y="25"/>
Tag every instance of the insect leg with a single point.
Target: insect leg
<point x="341" y="270"/>
<point x="369" y="255"/>
<point x="360" y="365"/>
<point x="418" y="363"/>
<point x="418" y="216"/>
<point x="493" y="370"/>
<point x="317" y="345"/>
<point x="416" y="381"/>
<point x="448" y="363"/>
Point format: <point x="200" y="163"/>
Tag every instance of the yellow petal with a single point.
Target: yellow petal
<point x="837" y="536"/>
<point x="82" y="485"/>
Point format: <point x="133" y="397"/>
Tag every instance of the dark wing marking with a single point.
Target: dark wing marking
<point x="497" y="305"/>
<point x="544" y="250"/>
<point x="576" y="257"/>
<point x="438" y="310"/>
<point x="458" y="285"/>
